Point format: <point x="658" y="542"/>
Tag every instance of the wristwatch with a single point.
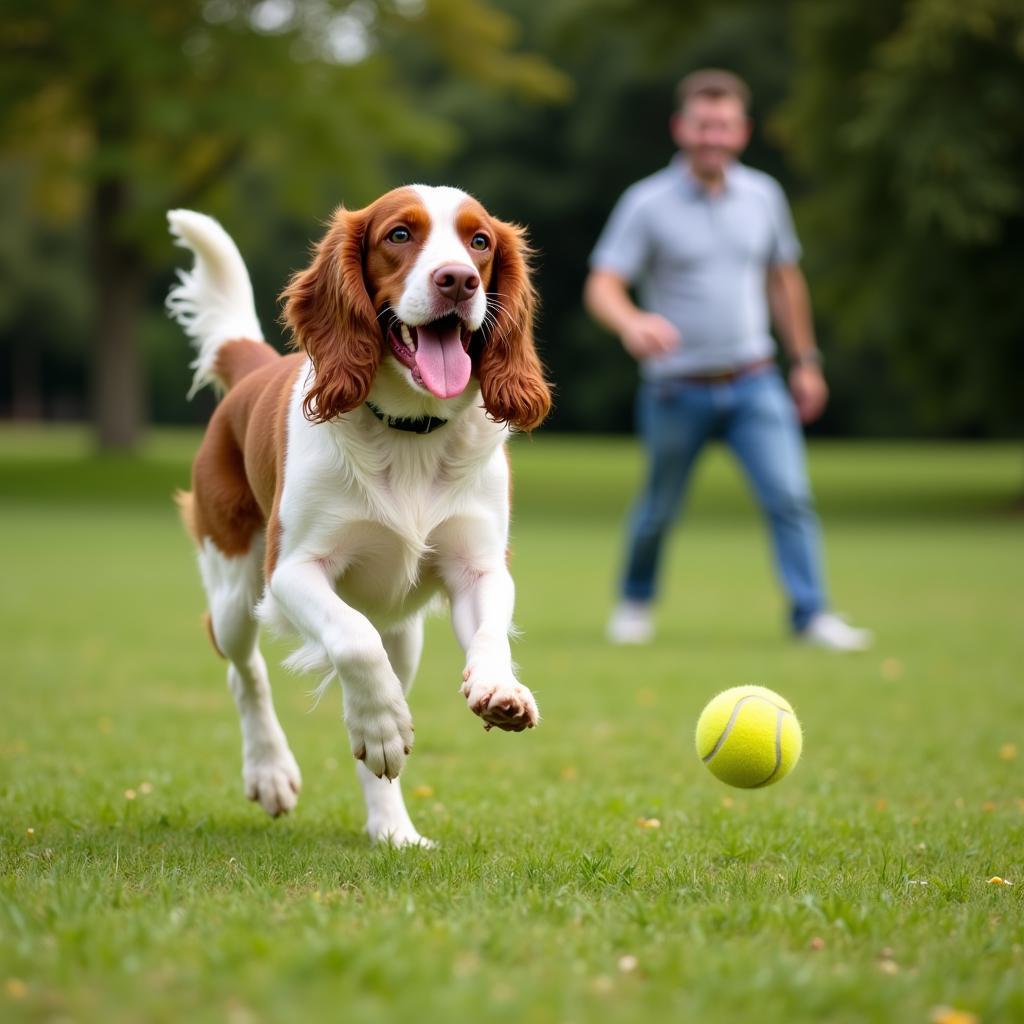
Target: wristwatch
<point x="812" y="357"/>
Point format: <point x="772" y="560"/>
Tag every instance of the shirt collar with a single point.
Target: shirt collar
<point x="691" y="183"/>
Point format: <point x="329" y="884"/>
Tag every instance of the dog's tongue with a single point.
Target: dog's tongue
<point x="443" y="363"/>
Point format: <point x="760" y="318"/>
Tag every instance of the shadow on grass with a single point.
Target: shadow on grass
<point x="214" y="838"/>
<point x="165" y="858"/>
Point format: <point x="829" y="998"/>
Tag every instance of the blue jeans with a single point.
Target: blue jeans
<point x="755" y="416"/>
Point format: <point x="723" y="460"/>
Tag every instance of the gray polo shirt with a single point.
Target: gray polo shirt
<point x="700" y="261"/>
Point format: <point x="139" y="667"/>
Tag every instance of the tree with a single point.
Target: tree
<point x="906" y="119"/>
<point x="125" y="110"/>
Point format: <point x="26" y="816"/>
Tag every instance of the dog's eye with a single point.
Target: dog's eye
<point x="480" y="242"/>
<point x="399" y="235"/>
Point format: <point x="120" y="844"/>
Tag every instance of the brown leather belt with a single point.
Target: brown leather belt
<point x="725" y="376"/>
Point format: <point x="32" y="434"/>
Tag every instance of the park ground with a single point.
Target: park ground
<point x="589" y="871"/>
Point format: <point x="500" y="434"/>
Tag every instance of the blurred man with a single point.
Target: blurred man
<point x="710" y="245"/>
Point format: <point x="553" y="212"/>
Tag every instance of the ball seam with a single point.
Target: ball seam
<point x="732" y="721"/>
<point x="780" y="711"/>
<point x="778" y="750"/>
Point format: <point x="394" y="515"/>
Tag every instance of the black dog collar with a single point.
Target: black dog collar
<point x="422" y="425"/>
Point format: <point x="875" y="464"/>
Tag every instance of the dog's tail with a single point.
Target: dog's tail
<point x="214" y="303"/>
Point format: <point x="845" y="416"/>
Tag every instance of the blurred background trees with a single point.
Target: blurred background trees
<point x="896" y="128"/>
<point x="908" y="120"/>
<point x="116" y="111"/>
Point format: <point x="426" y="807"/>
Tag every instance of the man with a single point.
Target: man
<point x="710" y="245"/>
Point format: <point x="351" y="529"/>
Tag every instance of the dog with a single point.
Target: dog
<point x="341" y="489"/>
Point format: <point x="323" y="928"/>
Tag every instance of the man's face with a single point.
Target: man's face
<point x="712" y="132"/>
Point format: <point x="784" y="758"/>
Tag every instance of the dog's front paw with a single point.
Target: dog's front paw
<point x="397" y="834"/>
<point x="273" y="780"/>
<point x="381" y="734"/>
<point x="508" y="706"/>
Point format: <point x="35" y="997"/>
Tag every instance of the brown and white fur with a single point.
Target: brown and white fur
<point x="318" y="518"/>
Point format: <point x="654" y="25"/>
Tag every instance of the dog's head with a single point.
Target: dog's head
<point x="425" y="277"/>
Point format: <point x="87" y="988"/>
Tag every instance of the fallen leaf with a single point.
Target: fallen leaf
<point x="949" y="1015"/>
<point x="16" y="988"/>
<point x="236" y="1012"/>
<point x="892" y="669"/>
<point x="466" y="964"/>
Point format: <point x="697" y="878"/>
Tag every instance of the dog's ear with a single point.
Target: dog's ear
<point x="328" y="308"/>
<point x="511" y="377"/>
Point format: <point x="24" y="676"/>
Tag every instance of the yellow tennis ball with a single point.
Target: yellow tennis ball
<point x="749" y="737"/>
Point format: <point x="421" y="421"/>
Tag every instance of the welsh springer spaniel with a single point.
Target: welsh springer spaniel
<point x="340" y="488"/>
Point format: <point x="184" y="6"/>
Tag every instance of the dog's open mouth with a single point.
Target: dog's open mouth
<point x="436" y="353"/>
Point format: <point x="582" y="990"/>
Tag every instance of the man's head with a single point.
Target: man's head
<point x="711" y="125"/>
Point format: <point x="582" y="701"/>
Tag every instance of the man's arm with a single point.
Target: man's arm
<point x="790" y="304"/>
<point x="606" y="297"/>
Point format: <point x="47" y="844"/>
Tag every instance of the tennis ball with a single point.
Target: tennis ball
<point x="749" y="737"/>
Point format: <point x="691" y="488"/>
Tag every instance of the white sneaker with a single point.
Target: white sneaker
<point x="828" y="630"/>
<point x="631" y="623"/>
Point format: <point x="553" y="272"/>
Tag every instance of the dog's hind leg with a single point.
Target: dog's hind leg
<point x="387" y="820"/>
<point x="233" y="586"/>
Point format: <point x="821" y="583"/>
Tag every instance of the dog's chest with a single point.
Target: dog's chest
<point x="384" y="520"/>
<point x="385" y="552"/>
<point x="383" y="570"/>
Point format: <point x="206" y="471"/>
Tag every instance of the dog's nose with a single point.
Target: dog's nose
<point x="456" y="281"/>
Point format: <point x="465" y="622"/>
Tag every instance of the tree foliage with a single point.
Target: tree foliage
<point x="907" y="119"/>
<point x="895" y="127"/>
<point x="124" y="109"/>
<point x="897" y="130"/>
<point x="171" y="95"/>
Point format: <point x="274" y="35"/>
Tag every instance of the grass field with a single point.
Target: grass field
<point x="591" y="870"/>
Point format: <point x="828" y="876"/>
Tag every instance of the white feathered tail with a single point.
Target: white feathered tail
<point x="213" y="301"/>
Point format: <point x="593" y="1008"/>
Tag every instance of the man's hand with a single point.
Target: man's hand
<point x="810" y="392"/>
<point x="643" y="334"/>
<point x="648" y="334"/>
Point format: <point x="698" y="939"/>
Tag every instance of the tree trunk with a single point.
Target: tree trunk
<point x="26" y="382"/>
<point x="120" y="279"/>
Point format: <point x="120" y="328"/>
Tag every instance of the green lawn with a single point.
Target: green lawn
<point x="136" y="883"/>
